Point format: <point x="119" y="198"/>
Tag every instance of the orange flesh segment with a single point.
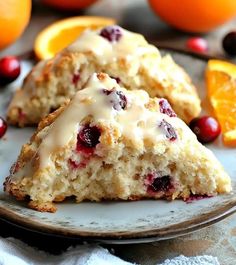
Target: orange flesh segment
<point x="62" y="33"/>
<point x="221" y="89"/>
<point x="65" y="37"/>
<point x="229" y="138"/>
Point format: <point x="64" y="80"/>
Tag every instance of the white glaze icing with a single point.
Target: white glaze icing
<point x="136" y="123"/>
<point x="130" y="46"/>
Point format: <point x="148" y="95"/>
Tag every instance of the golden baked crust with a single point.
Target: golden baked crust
<point x="114" y="144"/>
<point x="135" y="63"/>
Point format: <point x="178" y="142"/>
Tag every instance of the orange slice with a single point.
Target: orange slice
<point x="221" y="89"/>
<point x="230" y="138"/>
<point x="62" y="33"/>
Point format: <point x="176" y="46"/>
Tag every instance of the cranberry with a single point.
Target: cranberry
<point x="88" y="137"/>
<point x="76" y="78"/>
<point x="229" y="43"/>
<point x="117" y="79"/>
<point x="197" y="44"/>
<point x="117" y="98"/>
<point x="156" y="182"/>
<point x="166" y="108"/>
<point x="3" y="127"/>
<point x="168" y="130"/>
<point x="111" y="33"/>
<point x="9" y="69"/>
<point x="206" y="128"/>
<point x="161" y="184"/>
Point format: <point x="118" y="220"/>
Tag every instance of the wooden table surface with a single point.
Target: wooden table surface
<point x="135" y="15"/>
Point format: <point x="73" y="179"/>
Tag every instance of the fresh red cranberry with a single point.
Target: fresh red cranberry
<point x="76" y="78"/>
<point x="111" y="33"/>
<point x="168" y="130"/>
<point x="156" y="182"/>
<point x="206" y="128"/>
<point x="229" y="43"/>
<point x="117" y="98"/>
<point x="9" y="69"/>
<point x="197" y="44"/>
<point x="3" y="127"/>
<point x="166" y="108"/>
<point x="88" y="137"/>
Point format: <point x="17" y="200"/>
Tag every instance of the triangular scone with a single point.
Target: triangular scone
<point x="112" y="143"/>
<point x="123" y="55"/>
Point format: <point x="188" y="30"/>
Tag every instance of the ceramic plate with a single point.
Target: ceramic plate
<point x="117" y="222"/>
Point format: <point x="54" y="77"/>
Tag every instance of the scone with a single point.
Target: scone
<point x="125" y="56"/>
<point x="109" y="143"/>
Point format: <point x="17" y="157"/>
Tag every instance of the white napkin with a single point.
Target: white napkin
<point x="199" y="260"/>
<point x="13" y="251"/>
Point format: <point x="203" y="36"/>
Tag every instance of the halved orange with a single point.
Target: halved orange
<point x="62" y="33"/>
<point x="14" y="17"/>
<point x="221" y="88"/>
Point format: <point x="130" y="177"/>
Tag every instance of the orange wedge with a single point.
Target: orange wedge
<point x="230" y="138"/>
<point x="221" y="89"/>
<point x="62" y="33"/>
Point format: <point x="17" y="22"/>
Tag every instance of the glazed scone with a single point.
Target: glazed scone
<point x="123" y="55"/>
<point x="114" y="144"/>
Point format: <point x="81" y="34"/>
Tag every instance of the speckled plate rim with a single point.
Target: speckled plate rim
<point x="145" y="235"/>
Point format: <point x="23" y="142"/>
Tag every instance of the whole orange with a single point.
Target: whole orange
<point x="69" y="4"/>
<point x="14" y="17"/>
<point x="194" y="15"/>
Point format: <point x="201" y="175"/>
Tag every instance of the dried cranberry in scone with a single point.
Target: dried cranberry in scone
<point x="111" y="33"/>
<point x="156" y="182"/>
<point x="117" y="98"/>
<point x="166" y="108"/>
<point x="75" y="78"/>
<point x="168" y="130"/>
<point x="88" y="137"/>
<point x="118" y="80"/>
